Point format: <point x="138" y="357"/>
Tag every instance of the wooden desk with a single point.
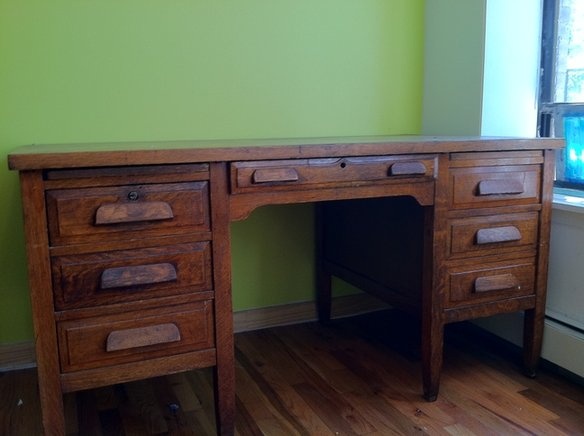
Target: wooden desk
<point x="129" y="249"/>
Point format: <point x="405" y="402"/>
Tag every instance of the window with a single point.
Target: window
<point x="562" y="86"/>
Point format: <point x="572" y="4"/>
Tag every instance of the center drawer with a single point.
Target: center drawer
<point x="135" y="336"/>
<point x="310" y="173"/>
<point x="92" y="279"/>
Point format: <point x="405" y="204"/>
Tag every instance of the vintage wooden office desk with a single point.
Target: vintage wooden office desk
<point x="129" y="249"/>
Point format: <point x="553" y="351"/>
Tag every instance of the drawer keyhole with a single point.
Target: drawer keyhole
<point x="343" y="164"/>
<point x="133" y="196"/>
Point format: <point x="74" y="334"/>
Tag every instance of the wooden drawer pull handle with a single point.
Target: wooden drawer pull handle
<point x="137" y="275"/>
<point x="274" y="175"/>
<point x="142" y="337"/>
<point x="407" y="169"/>
<point x="498" y="234"/>
<point x="496" y="283"/>
<point x="499" y="187"/>
<point x="115" y="213"/>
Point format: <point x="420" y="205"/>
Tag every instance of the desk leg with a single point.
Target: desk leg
<point x="432" y="353"/>
<point x="224" y="377"/>
<point x="51" y="399"/>
<point x="432" y="331"/>
<point x="41" y="292"/>
<point x="225" y="367"/>
<point x="533" y="324"/>
<point x="323" y="278"/>
<point x="323" y="295"/>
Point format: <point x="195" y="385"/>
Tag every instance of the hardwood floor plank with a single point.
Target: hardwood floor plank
<point x="269" y="392"/>
<point x="388" y="420"/>
<point x="245" y="425"/>
<point x="201" y="385"/>
<point x="333" y="414"/>
<point x="170" y="407"/>
<point x="570" y="418"/>
<point x="19" y="402"/>
<point x="278" y="377"/>
<point x="144" y="402"/>
<point x="259" y="407"/>
<point x="318" y="387"/>
<point x="185" y="396"/>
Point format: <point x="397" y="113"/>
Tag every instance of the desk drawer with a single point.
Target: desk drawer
<point x="493" y="186"/>
<point x="494" y="234"/>
<point x="125" y="275"/>
<point x="135" y="336"/>
<point x="310" y="173"/>
<point x="129" y="211"/>
<point x="490" y="282"/>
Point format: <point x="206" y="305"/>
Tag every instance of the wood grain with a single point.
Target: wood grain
<point x="179" y="152"/>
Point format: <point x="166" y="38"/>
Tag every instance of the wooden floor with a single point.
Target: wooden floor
<point x="356" y="376"/>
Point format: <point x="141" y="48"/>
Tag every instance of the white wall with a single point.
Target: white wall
<point x="511" y="68"/>
<point x="481" y="67"/>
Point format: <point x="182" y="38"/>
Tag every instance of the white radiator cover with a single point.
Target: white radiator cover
<point x="565" y="301"/>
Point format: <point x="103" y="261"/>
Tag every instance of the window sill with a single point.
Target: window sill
<point x="568" y="200"/>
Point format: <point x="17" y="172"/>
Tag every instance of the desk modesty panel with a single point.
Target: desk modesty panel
<point x="129" y="258"/>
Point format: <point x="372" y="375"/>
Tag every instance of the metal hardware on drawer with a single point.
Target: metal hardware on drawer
<point x="500" y="187"/>
<point x="133" y="196"/>
<point x="141" y="337"/>
<point x="407" y="169"/>
<point x="137" y="275"/>
<point x="496" y="283"/>
<point x="116" y="213"/>
<point x="498" y="234"/>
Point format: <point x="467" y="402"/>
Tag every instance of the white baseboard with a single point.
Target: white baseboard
<point x="561" y="345"/>
<point x="21" y="355"/>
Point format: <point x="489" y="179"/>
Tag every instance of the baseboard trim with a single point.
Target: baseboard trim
<point x="296" y="313"/>
<point x="21" y="355"/>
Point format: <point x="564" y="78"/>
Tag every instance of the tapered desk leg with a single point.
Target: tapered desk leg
<point x="51" y="398"/>
<point x="39" y="274"/>
<point x="323" y="278"/>
<point x="323" y="296"/>
<point x="533" y="325"/>
<point x="432" y="317"/>
<point x="225" y="367"/>
<point x="533" y="322"/>
<point x="432" y="354"/>
<point x="225" y="398"/>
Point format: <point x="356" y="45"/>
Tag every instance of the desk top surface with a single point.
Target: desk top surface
<point x="172" y="152"/>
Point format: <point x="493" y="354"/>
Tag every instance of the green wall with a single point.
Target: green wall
<point x="86" y="71"/>
<point x="453" y="67"/>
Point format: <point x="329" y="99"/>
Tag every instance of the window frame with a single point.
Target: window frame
<point x="551" y="114"/>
